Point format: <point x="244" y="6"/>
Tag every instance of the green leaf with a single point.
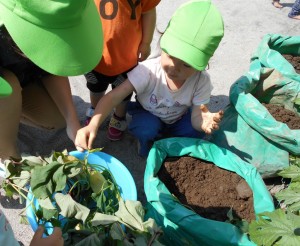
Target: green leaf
<point x="22" y="180"/>
<point x="242" y="224"/>
<point x="91" y="240"/>
<point x="116" y="232"/>
<point x="95" y="150"/>
<point x="104" y="219"/>
<point x="24" y="219"/>
<point x="140" y="240"/>
<point x="82" y="237"/>
<point x="296" y="101"/>
<point x="156" y="243"/>
<point x="55" y="222"/>
<point x="32" y="160"/>
<point x="72" y="170"/>
<point x="47" y="179"/>
<point x="70" y="208"/>
<point x="131" y="213"/>
<point x="9" y="190"/>
<point x="294" y="160"/>
<point x="292" y="172"/>
<point x="291" y="198"/>
<point x="151" y="227"/>
<point x="97" y="181"/>
<point x="12" y="170"/>
<point x="46" y="203"/>
<point x="49" y="213"/>
<point x="275" y="227"/>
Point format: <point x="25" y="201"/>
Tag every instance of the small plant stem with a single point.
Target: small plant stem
<point x="17" y="188"/>
<point x="154" y="237"/>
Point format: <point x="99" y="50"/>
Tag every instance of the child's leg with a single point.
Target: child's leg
<point x="295" y="12"/>
<point x="118" y="124"/>
<point x="277" y="4"/>
<point x="62" y="103"/>
<point x="120" y="110"/>
<point x="95" y="98"/>
<point x="144" y="126"/>
<point x="39" y="110"/>
<point x="183" y="128"/>
<point x="97" y="84"/>
<point x="10" y="111"/>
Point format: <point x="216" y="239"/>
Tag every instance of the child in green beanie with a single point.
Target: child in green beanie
<point x="41" y="43"/>
<point x="173" y="89"/>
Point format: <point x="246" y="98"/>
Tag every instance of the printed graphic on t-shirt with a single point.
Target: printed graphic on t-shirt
<point x="108" y="9"/>
<point x="165" y="108"/>
<point x="153" y="100"/>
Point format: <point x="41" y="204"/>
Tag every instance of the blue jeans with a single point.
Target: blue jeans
<point x="148" y="128"/>
<point x="295" y="9"/>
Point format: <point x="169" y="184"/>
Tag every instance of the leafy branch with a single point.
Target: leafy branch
<point x="81" y="198"/>
<point x="282" y="226"/>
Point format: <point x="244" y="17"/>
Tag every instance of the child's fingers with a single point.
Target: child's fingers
<point x="203" y="108"/>
<point x="217" y="119"/>
<point x="215" y="126"/>
<point x="91" y="140"/>
<point x="38" y="233"/>
<point x="57" y="232"/>
<point x="79" y="148"/>
<point x="218" y="116"/>
<point x="80" y="144"/>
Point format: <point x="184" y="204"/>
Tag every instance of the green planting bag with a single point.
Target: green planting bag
<point x="181" y="225"/>
<point x="248" y="129"/>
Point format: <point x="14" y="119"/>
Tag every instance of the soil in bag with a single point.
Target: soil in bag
<point x="284" y="115"/>
<point x="292" y="120"/>
<point x="207" y="189"/>
<point x="294" y="61"/>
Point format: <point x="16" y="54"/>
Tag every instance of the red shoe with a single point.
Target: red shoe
<point x="116" y="128"/>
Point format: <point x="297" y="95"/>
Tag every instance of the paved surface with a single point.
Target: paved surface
<point x="246" y="22"/>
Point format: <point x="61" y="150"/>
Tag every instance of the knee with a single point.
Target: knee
<point x="149" y="133"/>
<point x="144" y="132"/>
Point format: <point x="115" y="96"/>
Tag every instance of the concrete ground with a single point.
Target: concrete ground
<point x="246" y="22"/>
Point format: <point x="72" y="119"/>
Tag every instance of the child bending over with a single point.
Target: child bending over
<point x="173" y="89"/>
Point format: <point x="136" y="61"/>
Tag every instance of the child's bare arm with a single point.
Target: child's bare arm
<point x="204" y="120"/>
<point x="86" y="135"/>
<point x="148" y="26"/>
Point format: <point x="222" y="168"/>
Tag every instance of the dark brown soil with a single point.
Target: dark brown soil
<point x="294" y="60"/>
<point x="207" y="189"/>
<point x="284" y="115"/>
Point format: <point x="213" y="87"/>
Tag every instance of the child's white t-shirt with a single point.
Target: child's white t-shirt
<point x="6" y="233"/>
<point x="149" y="80"/>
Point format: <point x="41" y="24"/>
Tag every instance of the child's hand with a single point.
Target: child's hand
<point x="143" y="51"/>
<point x="210" y="121"/>
<point x="85" y="138"/>
<point x="54" y="239"/>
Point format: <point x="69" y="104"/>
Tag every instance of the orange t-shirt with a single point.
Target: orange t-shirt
<point x="122" y="30"/>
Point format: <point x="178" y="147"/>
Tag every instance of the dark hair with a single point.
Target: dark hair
<point x="5" y="34"/>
